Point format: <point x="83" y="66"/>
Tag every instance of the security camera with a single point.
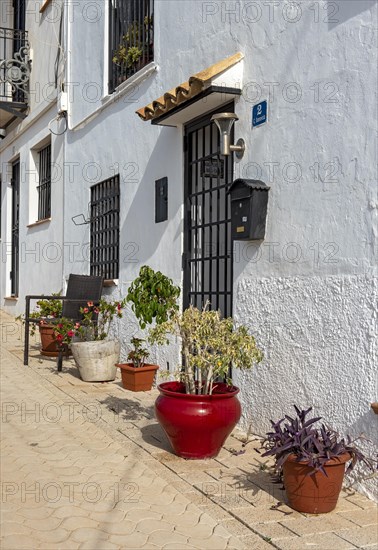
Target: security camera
<point x="3" y="133"/>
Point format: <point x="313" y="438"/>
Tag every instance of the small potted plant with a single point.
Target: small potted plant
<point x="129" y="53"/>
<point x="311" y="461"/>
<point x="48" y="311"/>
<point x="95" y="355"/>
<point x="137" y="375"/>
<point x="199" y="411"/>
<point x="153" y="298"/>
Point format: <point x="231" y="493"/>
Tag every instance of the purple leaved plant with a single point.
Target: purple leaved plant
<point x="315" y="446"/>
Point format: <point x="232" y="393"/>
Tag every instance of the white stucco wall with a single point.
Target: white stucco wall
<point x="307" y="291"/>
<point x="41" y="246"/>
<point x="46" y="53"/>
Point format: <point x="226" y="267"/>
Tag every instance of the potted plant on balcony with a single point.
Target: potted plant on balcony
<point x="128" y="55"/>
<point x="95" y="355"/>
<point x="137" y="375"/>
<point x="198" y="412"/>
<point x="311" y="461"/>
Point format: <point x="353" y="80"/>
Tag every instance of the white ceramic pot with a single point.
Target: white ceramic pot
<point x="96" y="360"/>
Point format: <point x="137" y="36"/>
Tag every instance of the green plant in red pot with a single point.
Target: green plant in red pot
<point x="137" y="375"/>
<point x="199" y="412"/>
<point x="312" y="461"/>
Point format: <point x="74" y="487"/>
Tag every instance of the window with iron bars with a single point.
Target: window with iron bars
<point x="131" y="38"/>
<point x="104" y="228"/>
<point x="44" y="187"/>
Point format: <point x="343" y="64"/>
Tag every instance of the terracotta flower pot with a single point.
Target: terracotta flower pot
<point x="49" y="346"/>
<point x="137" y="379"/>
<point x="315" y="494"/>
<point x="197" y="425"/>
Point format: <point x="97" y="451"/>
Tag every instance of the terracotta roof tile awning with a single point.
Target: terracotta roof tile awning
<point x="196" y="84"/>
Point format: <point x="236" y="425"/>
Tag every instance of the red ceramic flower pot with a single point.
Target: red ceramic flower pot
<point x="197" y="425"/>
<point x="317" y="493"/>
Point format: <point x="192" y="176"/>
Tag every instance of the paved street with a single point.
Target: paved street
<point x="86" y="466"/>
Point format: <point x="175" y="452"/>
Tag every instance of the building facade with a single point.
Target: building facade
<point x="112" y="162"/>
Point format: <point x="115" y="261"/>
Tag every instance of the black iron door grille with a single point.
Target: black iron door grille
<point x="104" y="228"/>
<point x="44" y="187"/>
<point x="15" y="227"/>
<point x="207" y="260"/>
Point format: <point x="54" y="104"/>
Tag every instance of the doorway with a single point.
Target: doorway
<point x="207" y="258"/>
<point x="15" y="227"/>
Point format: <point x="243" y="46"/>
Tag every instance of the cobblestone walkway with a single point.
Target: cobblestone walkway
<point x="87" y="466"/>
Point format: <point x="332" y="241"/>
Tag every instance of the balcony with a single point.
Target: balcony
<point x="14" y="75"/>
<point x="131" y="40"/>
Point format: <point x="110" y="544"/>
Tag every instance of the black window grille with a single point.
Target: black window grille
<point x="131" y="38"/>
<point x="104" y="228"/>
<point x="44" y="187"/>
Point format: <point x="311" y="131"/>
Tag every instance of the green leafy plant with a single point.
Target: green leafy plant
<point x="95" y="323"/>
<point x="210" y="345"/>
<point x="130" y="49"/>
<point x="138" y="355"/>
<point x="50" y="308"/>
<point x="153" y="297"/>
<point x="97" y="319"/>
<point x="64" y="331"/>
<point x="45" y="310"/>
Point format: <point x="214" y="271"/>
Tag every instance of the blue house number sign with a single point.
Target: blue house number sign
<point x="259" y="113"/>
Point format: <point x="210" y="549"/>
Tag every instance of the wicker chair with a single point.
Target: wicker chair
<point x="80" y="290"/>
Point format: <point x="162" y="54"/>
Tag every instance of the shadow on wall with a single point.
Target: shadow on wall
<point x="365" y="424"/>
<point x="139" y="225"/>
<point x="339" y="12"/>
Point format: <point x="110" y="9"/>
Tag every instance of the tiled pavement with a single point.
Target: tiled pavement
<point x="86" y="466"/>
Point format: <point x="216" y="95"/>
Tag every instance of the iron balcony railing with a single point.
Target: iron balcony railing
<point x="131" y="38"/>
<point x="14" y="65"/>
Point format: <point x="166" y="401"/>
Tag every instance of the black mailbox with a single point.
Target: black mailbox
<point x="249" y="202"/>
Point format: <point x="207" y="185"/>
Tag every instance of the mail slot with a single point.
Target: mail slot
<point x="249" y="202"/>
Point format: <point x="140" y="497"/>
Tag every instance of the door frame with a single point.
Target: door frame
<point x="15" y="229"/>
<point x="190" y="127"/>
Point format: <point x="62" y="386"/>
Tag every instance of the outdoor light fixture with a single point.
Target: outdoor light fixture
<point x="225" y="121"/>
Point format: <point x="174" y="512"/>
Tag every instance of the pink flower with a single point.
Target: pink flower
<point x="86" y="310"/>
<point x="119" y="306"/>
<point x="70" y="333"/>
<point x="77" y="325"/>
<point x="90" y="304"/>
<point x="60" y="325"/>
<point x="59" y="337"/>
<point x="96" y="310"/>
